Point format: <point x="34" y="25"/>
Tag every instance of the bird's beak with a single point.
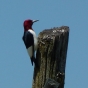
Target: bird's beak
<point x="35" y="21"/>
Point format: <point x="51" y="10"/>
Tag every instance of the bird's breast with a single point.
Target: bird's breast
<point x="35" y="43"/>
<point x="35" y="39"/>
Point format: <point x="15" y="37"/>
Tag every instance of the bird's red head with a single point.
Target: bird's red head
<point x="28" y="24"/>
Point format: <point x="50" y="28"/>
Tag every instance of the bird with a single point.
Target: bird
<point x="30" y="40"/>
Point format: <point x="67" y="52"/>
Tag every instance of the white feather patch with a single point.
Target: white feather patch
<point x="35" y="39"/>
<point x="30" y="51"/>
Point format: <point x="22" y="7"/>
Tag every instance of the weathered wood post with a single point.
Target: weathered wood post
<point x="51" y="55"/>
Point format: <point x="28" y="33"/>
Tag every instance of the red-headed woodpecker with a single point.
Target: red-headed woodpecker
<point x="30" y="39"/>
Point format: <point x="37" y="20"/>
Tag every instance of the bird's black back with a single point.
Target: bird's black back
<point x="28" y="39"/>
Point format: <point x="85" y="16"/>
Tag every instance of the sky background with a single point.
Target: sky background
<point x="16" y="70"/>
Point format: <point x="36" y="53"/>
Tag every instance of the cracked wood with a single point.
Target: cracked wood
<point x="51" y="56"/>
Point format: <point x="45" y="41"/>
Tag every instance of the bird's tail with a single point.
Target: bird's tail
<point x="35" y="61"/>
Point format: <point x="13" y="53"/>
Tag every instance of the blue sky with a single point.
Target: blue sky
<point x="16" y="70"/>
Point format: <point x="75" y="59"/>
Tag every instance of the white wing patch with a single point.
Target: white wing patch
<point x="30" y="51"/>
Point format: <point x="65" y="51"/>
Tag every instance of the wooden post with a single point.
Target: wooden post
<point x="51" y="56"/>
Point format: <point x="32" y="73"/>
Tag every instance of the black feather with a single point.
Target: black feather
<point x="28" y="39"/>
